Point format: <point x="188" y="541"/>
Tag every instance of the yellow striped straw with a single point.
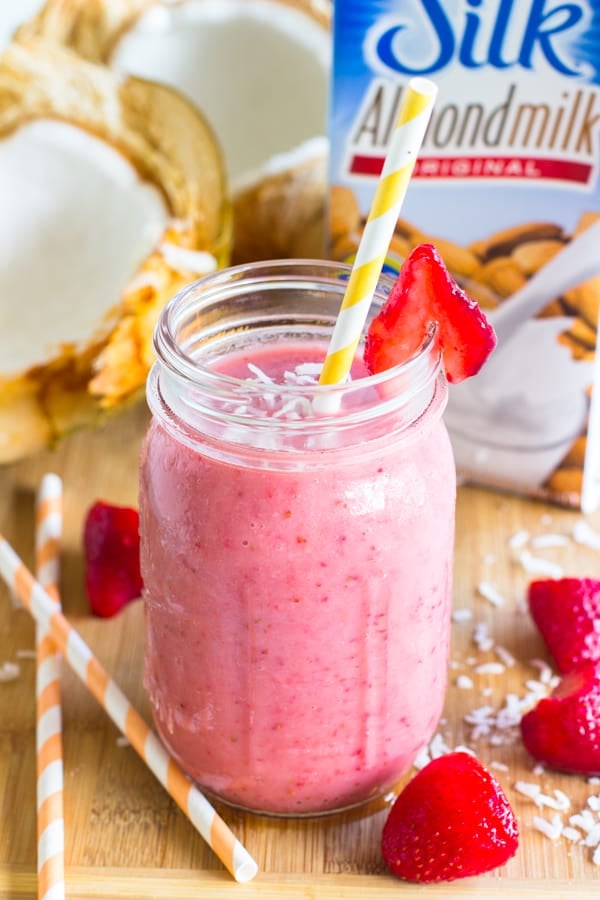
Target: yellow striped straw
<point x="95" y="677"/>
<point x="413" y="118"/>
<point x="50" y="818"/>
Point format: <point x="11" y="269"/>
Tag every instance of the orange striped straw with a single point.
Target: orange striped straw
<point x="50" y="821"/>
<point x="91" y="672"/>
<point x="413" y="118"/>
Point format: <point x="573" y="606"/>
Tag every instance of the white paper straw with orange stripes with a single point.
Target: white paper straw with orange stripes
<point x="91" y="672"/>
<point x="50" y="820"/>
<point x="413" y="118"/>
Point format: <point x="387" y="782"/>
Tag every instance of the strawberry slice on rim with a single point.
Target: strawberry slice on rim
<point x="425" y="292"/>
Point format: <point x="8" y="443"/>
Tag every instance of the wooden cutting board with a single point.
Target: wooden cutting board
<point x="124" y="836"/>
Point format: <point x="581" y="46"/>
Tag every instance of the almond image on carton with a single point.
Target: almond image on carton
<point x="506" y="185"/>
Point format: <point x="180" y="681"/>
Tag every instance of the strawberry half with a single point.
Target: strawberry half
<point x="111" y="544"/>
<point x="567" y="613"/>
<point x="425" y="292"/>
<point x="452" y="820"/>
<point x="563" y="730"/>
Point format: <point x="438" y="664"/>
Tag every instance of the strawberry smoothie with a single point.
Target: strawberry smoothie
<point x="297" y="583"/>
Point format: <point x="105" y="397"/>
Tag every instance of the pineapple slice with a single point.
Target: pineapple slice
<point x="113" y="197"/>
<point x="258" y="70"/>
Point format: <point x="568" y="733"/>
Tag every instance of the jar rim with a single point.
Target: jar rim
<point x="276" y="272"/>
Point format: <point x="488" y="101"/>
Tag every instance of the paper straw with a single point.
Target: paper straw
<point x="91" y="672"/>
<point x="50" y="820"/>
<point x="413" y="118"/>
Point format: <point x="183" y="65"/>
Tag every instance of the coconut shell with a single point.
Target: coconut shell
<point x="281" y="214"/>
<point x="171" y="146"/>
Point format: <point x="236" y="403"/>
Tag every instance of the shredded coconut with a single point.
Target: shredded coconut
<point x="559" y="802"/>
<point x="584" y="534"/>
<point x="9" y="671"/>
<point x="489" y="593"/>
<point x="491" y="668"/>
<point x="462" y="615"/>
<point x="551" y="829"/>
<point x="504" y="655"/>
<point x="518" y="539"/>
<point x="464" y="682"/>
<point x="26" y="654"/>
<point x="438" y="747"/>
<point x="549" y="540"/>
<point x="535" y="565"/>
<point x="528" y="789"/>
<point x="481" y="637"/>
<point x="547" y="676"/>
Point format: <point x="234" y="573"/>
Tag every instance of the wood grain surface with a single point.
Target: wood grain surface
<point x="126" y="838"/>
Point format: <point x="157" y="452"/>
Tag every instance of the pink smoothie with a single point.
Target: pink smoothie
<point x="297" y="620"/>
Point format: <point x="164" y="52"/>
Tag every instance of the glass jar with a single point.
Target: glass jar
<point x="296" y="553"/>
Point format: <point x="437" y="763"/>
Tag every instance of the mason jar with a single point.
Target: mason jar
<point x="296" y="545"/>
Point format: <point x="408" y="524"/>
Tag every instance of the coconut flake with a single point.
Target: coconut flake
<point x="560" y="801"/>
<point x="9" y="671"/>
<point x="535" y="565"/>
<point x="551" y="829"/>
<point x="489" y="593"/>
<point x="549" y="540"/>
<point x="438" y="747"/>
<point x="504" y="655"/>
<point x="481" y="637"/>
<point x="584" y="534"/>
<point x="464" y="682"/>
<point x="528" y="789"/>
<point x="490" y="668"/>
<point x="518" y="539"/>
<point x="184" y="260"/>
<point x="462" y="615"/>
<point x="546" y="674"/>
<point x="592" y="838"/>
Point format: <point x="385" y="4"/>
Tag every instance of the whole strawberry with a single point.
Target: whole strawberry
<point x="567" y="613"/>
<point x="452" y="820"/>
<point x="111" y="545"/>
<point x="563" y="730"/>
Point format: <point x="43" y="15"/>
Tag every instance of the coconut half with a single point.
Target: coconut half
<point x="259" y="71"/>
<point x="113" y="197"/>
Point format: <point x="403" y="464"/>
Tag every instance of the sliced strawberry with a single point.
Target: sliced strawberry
<point x="567" y="613"/>
<point x="111" y="544"/>
<point x="425" y="292"/>
<point x="452" y="820"/>
<point x="563" y="730"/>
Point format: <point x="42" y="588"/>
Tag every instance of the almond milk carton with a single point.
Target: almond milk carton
<point x="507" y="187"/>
